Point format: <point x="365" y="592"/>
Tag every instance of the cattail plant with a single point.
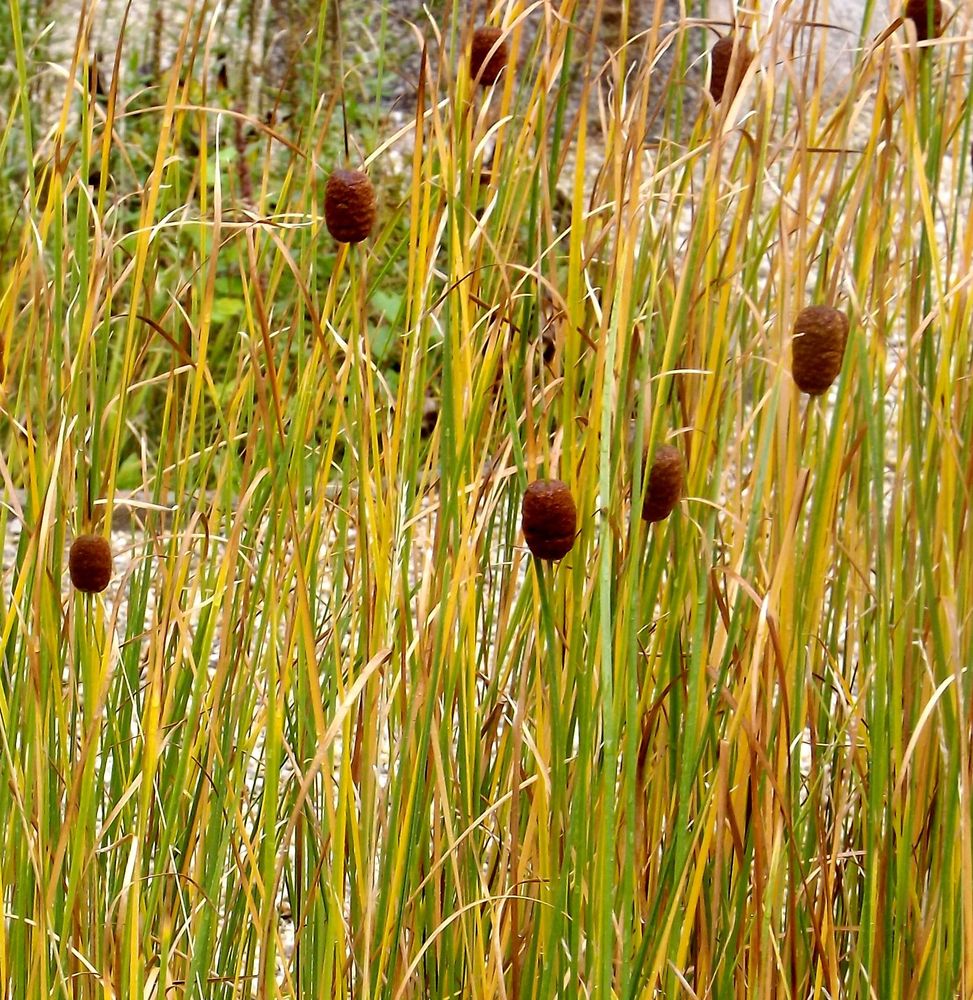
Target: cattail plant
<point x="667" y="479"/>
<point x="89" y="563"/>
<point x="484" y="66"/>
<point x="349" y="206"/>
<point x="818" y="346"/>
<point x="927" y="16"/>
<point x="550" y="519"/>
<point x="729" y="58"/>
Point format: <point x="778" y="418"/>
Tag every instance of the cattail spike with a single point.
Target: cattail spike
<point x="729" y="59"/>
<point x="349" y="206"/>
<point x="818" y="347"/>
<point x="484" y="66"/>
<point x="667" y="479"/>
<point x="90" y="563"/>
<point x="550" y="519"/>
<point x="927" y="16"/>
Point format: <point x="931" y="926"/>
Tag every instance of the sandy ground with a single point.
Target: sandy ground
<point x="261" y="33"/>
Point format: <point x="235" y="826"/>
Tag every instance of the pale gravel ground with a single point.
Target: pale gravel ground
<point x="262" y="34"/>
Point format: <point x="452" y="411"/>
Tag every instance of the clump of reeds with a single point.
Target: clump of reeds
<point x="550" y="519"/>
<point x="349" y="206"/>
<point x="90" y="563"/>
<point x="729" y="59"/>
<point x="667" y="479"/>
<point x="818" y="347"/>
<point x="486" y="61"/>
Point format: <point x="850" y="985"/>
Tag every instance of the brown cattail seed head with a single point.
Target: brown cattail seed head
<point x="927" y="16"/>
<point x="820" y="335"/>
<point x="349" y="206"/>
<point x="727" y="67"/>
<point x="482" y="64"/>
<point x="667" y="477"/>
<point x="89" y="563"/>
<point x="550" y="519"/>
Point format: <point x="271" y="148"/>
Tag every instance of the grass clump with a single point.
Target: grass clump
<point x="336" y="732"/>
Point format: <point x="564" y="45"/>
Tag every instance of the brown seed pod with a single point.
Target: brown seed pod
<point x="550" y="519"/>
<point x="89" y="563"/>
<point x="667" y="477"/>
<point x="727" y="72"/>
<point x="482" y="64"/>
<point x="927" y="16"/>
<point x="349" y="206"/>
<point x="818" y="346"/>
